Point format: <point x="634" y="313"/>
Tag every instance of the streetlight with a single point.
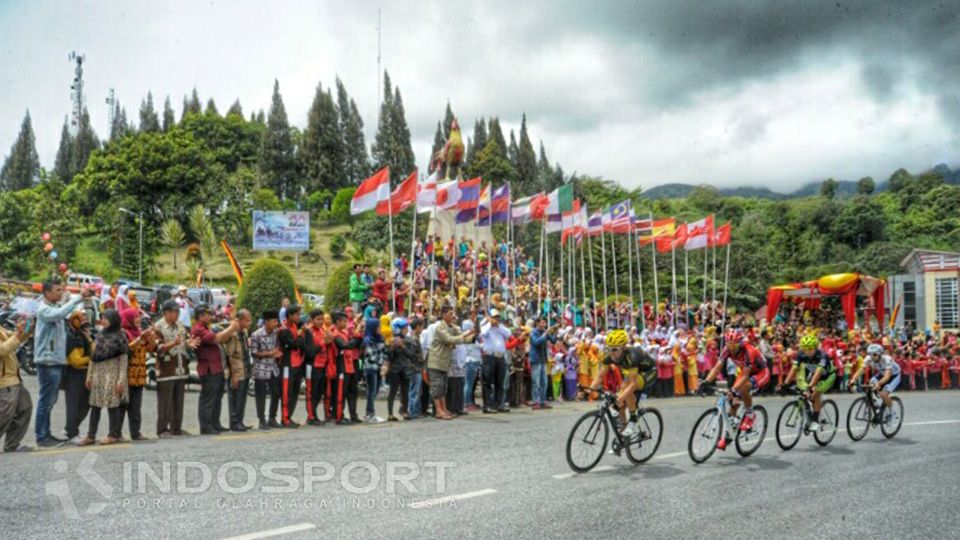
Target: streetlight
<point x="139" y="217"/>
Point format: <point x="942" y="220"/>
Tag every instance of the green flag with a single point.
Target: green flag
<point x="560" y="200"/>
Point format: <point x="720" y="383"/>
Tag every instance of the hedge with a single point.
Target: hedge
<point x="265" y="286"/>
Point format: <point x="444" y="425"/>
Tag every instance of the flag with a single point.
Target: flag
<point x="237" y="271"/>
<point x="699" y="233"/>
<point x="569" y="221"/>
<point x="538" y="207"/>
<point x="471" y="198"/>
<point x="595" y="224"/>
<point x="427" y="194"/>
<point x="721" y="235"/>
<point x="669" y="243"/>
<point x="582" y="222"/>
<point x="498" y="205"/>
<point x="560" y="200"/>
<point x="620" y="219"/>
<point x="664" y="227"/>
<point x="522" y="209"/>
<point x="297" y="295"/>
<point x="448" y="195"/>
<point x="554" y="222"/>
<point x="402" y="198"/>
<point x="643" y="227"/>
<point x="370" y="192"/>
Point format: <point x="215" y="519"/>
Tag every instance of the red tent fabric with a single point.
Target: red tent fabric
<point x="847" y="286"/>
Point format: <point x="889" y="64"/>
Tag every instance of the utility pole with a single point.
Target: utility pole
<point x="379" y="27"/>
<point x="111" y="108"/>
<point x="76" y="90"/>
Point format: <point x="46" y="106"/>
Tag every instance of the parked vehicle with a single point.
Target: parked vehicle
<point x="221" y="297"/>
<point x="200" y="296"/>
<point x="316" y="300"/>
<point x="80" y="281"/>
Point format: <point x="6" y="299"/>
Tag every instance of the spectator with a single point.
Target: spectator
<point x="210" y="370"/>
<point x="140" y="344"/>
<point x="266" y="371"/>
<point x="107" y="379"/>
<point x="79" y="351"/>
<point x="445" y="337"/>
<point x="539" y="339"/>
<point x="172" y="370"/>
<point x="418" y="362"/>
<point x="358" y="288"/>
<point x="375" y="357"/>
<point x="239" y="363"/>
<point x="186" y="307"/>
<point x="15" y="403"/>
<point x="494" y="344"/>
<point x="50" y="350"/>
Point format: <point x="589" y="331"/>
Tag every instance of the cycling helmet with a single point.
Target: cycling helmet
<point x="735" y="336"/>
<point x="617" y="338"/>
<point x="875" y="349"/>
<point x="399" y="325"/>
<point x="809" y="341"/>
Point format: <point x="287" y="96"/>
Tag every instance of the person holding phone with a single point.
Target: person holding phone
<point x="50" y="349"/>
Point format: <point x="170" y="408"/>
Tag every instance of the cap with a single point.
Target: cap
<point x="494" y="312"/>
<point x="182" y="288"/>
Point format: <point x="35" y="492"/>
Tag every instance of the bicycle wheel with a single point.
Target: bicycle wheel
<point x="829" y="419"/>
<point x="789" y="425"/>
<point x="858" y="419"/>
<point x="643" y="445"/>
<point x="705" y="436"/>
<point x="892" y="426"/>
<point x="749" y="441"/>
<point x="587" y="441"/>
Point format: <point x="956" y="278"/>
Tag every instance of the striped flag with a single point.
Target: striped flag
<point x="498" y="204"/>
<point x="237" y="271"/>
<point x="370" y="192"/>
<point x="595" y="224"/>
<point x="658" y="229"/>
<point x="470" y="197"/>
<point x="560" y="200"/>
<point x="570" y="221"/>
<point x="522" y="210"/>
<point x="620" y="219"/>
<point x="700" y="233"/>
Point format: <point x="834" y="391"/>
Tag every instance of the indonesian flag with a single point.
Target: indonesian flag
<point x="427" y="194"/>
<point x="700" y="233"/>
<point x="372" y="191"/>
<point x="402" y="198"/>
<point x="721" y="235"/>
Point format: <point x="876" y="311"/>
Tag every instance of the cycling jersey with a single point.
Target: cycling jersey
<point x="634" y="358"/>
<point x="811" y="362"/>
<point x="881" y="365"/>
<point x="747" y="357"/>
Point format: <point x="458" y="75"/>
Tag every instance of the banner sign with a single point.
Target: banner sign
<point x="280" y="231"/>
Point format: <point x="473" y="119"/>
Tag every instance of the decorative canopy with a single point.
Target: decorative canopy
<point x="846" y="286"/>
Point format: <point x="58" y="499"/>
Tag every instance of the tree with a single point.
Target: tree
<point x="277" y="153"/>
<point x="84" y="143"/>
<point x="235" y="109"/>
<point x="266" y="199"/>
<point x="356" y="163"/>
<point x="62" y="164"/>
<point x="211" y="109"/>
<point x="172" y="236"/>
<point x="340" y="207"/>
<point x="201" y="228"/>
<point x="168" y="119"/>
<point x="860" y="222"/>
<point x="22" y="167"/>
<point x="149" y="122"/>
<point x="828" y="189"/>
<point x="265" y="286"/>
<point x="231" y="139"/>
<point x="119" y="128"/>
<point x="338" y="285"/>
<point x="494" y="132"/>
<point x="338" y="244"/>
<point x="490" y="165"/>
<point x="527" y="172"/>
<point x="438" y="143"/>
<point x="322" y="153"/>
<point x="478" y="142"/>
<point x="447" y="121"/>
<point x="391" y="146"/>
<point x="866" y="186"/>
<point x="192" y="105"/>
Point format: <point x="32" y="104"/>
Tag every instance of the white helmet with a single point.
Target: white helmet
<point x="875" y="349"/>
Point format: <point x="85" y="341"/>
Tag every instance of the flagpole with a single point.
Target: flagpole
<point x="476" y="249"/>
<point x="433" y="266"/>
<point x="726" y="280"/>
<point x="673" y="285"/>
<point x="490" y="256"/>
<point x="393" y="282"/>
<point x="686" y="285"/>
<point x="603" y="258"/>
<point x="540" y="272"/>
<point x="630" y="267"/>
<point x="656" y="287"/>
<point x="413" y="245"/>
<point x="706" y="259"/>
<point x="583" y="280"/>
<point x="714" y="274"/>
<point x="635" y="240"/>
<point x="616" y="286"/>
<point x="562" y="284"/>
<point x="593" y="283"/>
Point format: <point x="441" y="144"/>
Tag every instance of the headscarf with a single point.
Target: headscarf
<point x="371" y="334"/>
<point x="75" y="336"/>
<point x="128" y="318"/>
<point x="111" y="342"/>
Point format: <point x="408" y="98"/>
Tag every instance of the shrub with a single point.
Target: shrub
<point x="337" y="246"/>
<point x="265" y="286"/>
<point x="340" y="208"/>
<point x="338" y="286"/>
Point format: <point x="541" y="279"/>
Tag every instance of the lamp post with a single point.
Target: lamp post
<point x="139" y="217"/>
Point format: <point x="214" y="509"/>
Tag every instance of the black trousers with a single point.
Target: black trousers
<point x="291" y="390"/>
<point x="493" y="372"/>
<point x="77" y="398"/>
<point x="398" y="383"/>
<point x="170" y="406"/>
<point x="132" y="409"/>
<point x="211" y="401"/>
<point x="114" y="425"/>
<point x="455" y="394"/>
<point x="261" y="388"/>
<point x="342" y="392"/>
<point x="237" y="402"/>
<point x="316" y="388"/>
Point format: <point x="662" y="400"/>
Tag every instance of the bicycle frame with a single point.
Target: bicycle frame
<point x="726" y="421"/>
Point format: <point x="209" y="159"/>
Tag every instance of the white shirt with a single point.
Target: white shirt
<point x="494" y="338"/>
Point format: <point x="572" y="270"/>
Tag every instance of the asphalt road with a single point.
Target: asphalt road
<point x="492" y="475"/>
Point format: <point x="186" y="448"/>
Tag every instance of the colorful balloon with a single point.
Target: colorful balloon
<point x="48" y="247"/>
<point x="46" y="237"/>
<point x="53" y="255"/>
<point x="63" y="268"/>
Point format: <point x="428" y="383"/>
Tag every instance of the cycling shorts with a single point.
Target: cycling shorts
<point x="891" y="385"/>
<point x="823" y="385"/>
<point x="757" y="381"/>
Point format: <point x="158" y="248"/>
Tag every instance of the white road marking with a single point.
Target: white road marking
<point x="670" y="456"/>
<point x="427" y="503"/>
<point x="931" y="422"/>
<point x="601" y="468"/>
<point x="275" y="532"/>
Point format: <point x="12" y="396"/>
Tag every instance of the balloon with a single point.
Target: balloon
<point x="63" y="268"/>
<point x="53" y="255"/>
<point x="48" y="247"/>
<point x="46" y="237"/>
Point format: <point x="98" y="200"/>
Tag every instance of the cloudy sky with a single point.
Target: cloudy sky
<point x="759" y="93"/>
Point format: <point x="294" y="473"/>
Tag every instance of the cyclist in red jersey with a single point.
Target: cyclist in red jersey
<point x="744" y="362"/>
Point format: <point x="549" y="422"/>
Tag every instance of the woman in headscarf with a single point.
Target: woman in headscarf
<point x="107" y="378"/>
<point x="79" y="350"/>
<point x="375" y="356"/>
<point x="140" y="344"/>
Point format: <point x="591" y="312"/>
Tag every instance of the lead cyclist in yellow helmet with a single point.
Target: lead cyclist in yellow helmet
<point x="815" y="374"/>
<point x="632" y="361"/>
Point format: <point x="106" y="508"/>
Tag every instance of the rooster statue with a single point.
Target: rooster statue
<point x="451" y="155"/>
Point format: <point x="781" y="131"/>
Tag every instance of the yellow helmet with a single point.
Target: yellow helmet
<point x="809" y="341"/>
<point x="617" y="338"/>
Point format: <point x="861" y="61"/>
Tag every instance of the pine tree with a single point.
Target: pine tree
<point x="191" y="106"/>
<point x="119" y="128"/>
<point x="545" y="173"/>
<point x="277" y="153"/>
<point x="149" y="122"/>
<point x="447" y="120"/>
<point x="438" y="142"/>
<point x="407" y="161"/>
<point x="168" y="118"/>
<point x="321" y="154"/>
<point x="478" y="142"/>
<point x="513" y="152"/>
<point x="61" y="166"/>
<point x="494" y="132"/>
<point x="382" y="150"/>
<point x="85" y="142"/>
<point x="527" y="173"/>
<point x="211" y="109"/>
<point x="391" y="146"/>
<point x="356" y="164"/>
<point x="22" y="166"/>
<point x="235" y="109"/>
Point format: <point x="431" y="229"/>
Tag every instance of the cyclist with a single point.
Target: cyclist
<point x="629" y="360"/>
<point x="886" y="372"/>
<point x="747" y="365"/>
<point x="815" y="374"/>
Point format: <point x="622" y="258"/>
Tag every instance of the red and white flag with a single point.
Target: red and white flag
<point x="427" y="195"/>
<point x="372" y="191"/>
<point x="721" y="236"/>
<point x="699" y="233"/>
<point x="402" y="197"/>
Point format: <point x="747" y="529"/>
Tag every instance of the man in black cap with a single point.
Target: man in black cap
<point x="266" y="369"/>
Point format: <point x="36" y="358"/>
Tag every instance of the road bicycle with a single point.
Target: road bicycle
<point x="590" y="434"/>
<point x="869" y="410"/>
<point x="711" y="429"/>
<point x="795" y="418"/>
